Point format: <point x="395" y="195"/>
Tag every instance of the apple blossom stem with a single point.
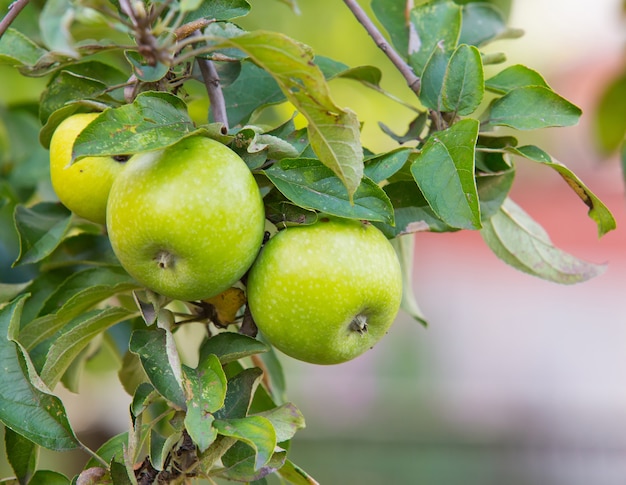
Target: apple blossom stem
<point x="407" y="71"/>
<point x="14" y="9"/>
<point x="214" y="90"/>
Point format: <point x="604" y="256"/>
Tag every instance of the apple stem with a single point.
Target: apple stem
<point x="359" y="324"/>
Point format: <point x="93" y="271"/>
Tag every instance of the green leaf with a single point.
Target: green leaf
<point x="55" y="21"/>
<point x="220" y="10"/>
<point x="73" y="339"/>
<point x="434" y="25"/>
<point x="493" y="189"/>
<point x="296" y="475"/>
<point x="205" y="388"/>
<point x="112" y="449"/>
<point x="413" y="132"/>
<point x="597" y="210"/>
<point x="256" y="431"/>
<point x="609" y="119"/>
<point x="519" y="241"/>
<point x="41" y="229"/>
<point x="83" y="248"/>
<point x="154" y="349"/>
<point x="513" y="77"/>
<point x="239" y="394"/>
<point x="309" y="184"/>
<point x="79" y="292"/>
<point x="433" y="78"/>
<point x="231" y="346"/>
<point x="405" y="249"/>
<point x="333" y="132"/>
<point x="532" y="107"/>
<point x="444" y="171"/>
<point x="286" y="421"/>
<point x="26" y="406"/>
<point x="482" y="23"/>
<point x="155" y="120"/>
<point x="392" y="15"/>
<point x="49" y="477"/>
<point x="143" y="70"/>
<point x="253" y="89"/>
<point x="8" y="291"/>
<point x="411" y="211"/>
<point x="382" y="166"/>
<point x="282" y="212"/>
<point x="240" y="460"/>
<point x="22" y="454"/>
<point x="274" y="372"/>
<point x="16" y="49"/>
<point x="161" y="446"/>
<point x="463" y="85"/>
<point x="67" y="87"/>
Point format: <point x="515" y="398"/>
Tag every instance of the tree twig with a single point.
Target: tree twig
<point x="411" y="78"/>
<point x="14" y="9"/>
<point x="214" y="90"/>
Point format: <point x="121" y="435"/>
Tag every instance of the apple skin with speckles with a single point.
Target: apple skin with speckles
<point x="327" y="292"/>
<point x="188" y="221"/>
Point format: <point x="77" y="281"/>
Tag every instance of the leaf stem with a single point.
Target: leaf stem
<point x="14" y="9"/>
<point x="407" y="72"/>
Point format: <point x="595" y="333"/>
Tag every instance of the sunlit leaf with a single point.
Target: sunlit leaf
<point x="597" y="210"/>
<point x="444" y="171"/>
<point x="521" y="242"/>
<point x="333" y="132"/>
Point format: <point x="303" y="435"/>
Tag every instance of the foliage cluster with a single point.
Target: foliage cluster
<point x="64" y="296"/>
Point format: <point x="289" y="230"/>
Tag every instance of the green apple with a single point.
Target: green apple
<point x="186" y="221"/>
<point x="327" y="292"/>
<point x="83" y="187"/>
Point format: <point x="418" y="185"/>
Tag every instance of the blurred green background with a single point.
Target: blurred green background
<point x="516" y="381"/>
